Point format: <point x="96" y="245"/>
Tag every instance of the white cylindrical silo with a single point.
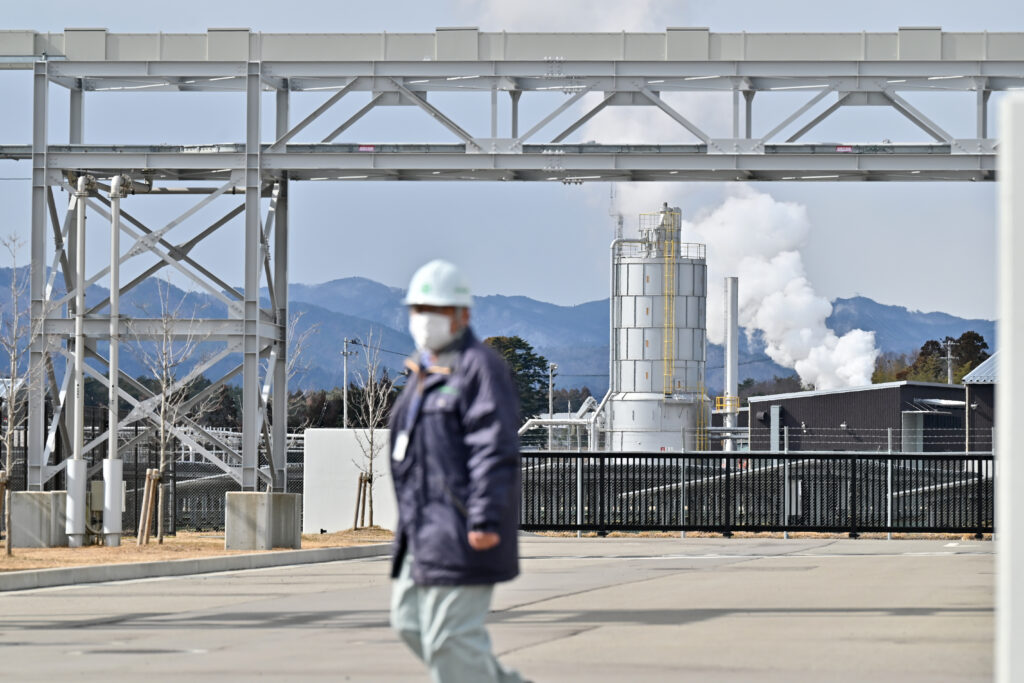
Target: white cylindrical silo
<point x="659" y="289"/>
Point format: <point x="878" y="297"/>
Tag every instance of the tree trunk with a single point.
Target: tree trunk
<point x="163" y="460"/>
<point x="5" y="485"/>
<point x="160" y="496"/>
<point x="369" y="479"/>
<point x="7" y="521"/>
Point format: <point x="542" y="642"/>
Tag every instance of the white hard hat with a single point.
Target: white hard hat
<point x="439" y="283"/>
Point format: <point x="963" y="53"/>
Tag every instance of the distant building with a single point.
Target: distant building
<point x="904" y="416"/>
<point x="980" y="399"/>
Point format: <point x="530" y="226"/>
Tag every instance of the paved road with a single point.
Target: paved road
<point x="584" y="610"/>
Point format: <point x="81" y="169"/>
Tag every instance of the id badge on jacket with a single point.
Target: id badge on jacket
<point x="401" y="444"/>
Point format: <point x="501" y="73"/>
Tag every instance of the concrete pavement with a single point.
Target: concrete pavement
<point x="584" y="610"/>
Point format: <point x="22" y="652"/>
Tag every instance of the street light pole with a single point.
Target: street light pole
<point x="344" y="386"/>
<point x="551" y="397"/>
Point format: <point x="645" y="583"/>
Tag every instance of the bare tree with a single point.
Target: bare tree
<point x="15" y="337"/>
<point x="298" y="341"/>
<point x="166" y="358"/>
<point x="376" y="395"/>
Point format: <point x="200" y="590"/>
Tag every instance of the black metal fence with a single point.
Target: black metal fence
<point x="835" y="492"/>
<point x="812" y="491"/>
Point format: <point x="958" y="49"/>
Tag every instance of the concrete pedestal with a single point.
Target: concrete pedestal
<point x="38" y="519"/>
<point x="113" y="478"/>
<point x="76" y="473"/>
<point x="262" y="521"/>
<point x="286" y="520"/>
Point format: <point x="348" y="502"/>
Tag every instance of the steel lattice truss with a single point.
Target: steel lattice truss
<point x="601" y="71"/>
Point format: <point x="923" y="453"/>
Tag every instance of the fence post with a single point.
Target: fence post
<point x="601" y="507"/>
<point x="728" y="499"/>
<point x="853" y="498"/>
<point x="579" y="497"/>
<point x="785" y="493"/>
<point x="978" y="495"/>
<point x="682" y="497"/>
<point x="888" y="487"/>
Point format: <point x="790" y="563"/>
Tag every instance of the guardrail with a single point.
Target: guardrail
<point x="835" y="492"/>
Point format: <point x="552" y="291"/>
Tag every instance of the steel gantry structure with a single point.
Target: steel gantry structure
<point x="575" y="76"/>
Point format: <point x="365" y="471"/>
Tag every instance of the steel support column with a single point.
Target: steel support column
<point x="982" y="122"/>
<point x="76" y="117"/>
<point x="36" y="385"/>
<point x="251" y="426"/>
<point x="279" y="433"/>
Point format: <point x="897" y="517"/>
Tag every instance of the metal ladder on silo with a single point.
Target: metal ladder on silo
<point x="668" y="336"/>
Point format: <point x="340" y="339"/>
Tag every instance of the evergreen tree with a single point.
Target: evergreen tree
<point x="529" y="370"/>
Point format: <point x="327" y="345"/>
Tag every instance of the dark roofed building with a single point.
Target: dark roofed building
<point x="905" y="416"/>
<point x="980" y="386"/>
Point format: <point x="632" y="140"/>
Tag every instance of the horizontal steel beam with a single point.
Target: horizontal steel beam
<point x="610" y="76"/>
<point x="960" y="160"/>
<point x="143" y="329"/>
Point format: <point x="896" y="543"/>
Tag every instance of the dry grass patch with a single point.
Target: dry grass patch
<point x="185" y="545"/>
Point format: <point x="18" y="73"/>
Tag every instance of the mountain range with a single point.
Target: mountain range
<point x="574" y="337"/>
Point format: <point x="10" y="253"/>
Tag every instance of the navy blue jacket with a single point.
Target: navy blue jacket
<point x="461" y="467"/>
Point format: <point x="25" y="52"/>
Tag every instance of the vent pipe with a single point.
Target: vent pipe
<point x="732" y="355"/>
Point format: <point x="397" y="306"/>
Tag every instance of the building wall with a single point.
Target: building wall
<point x="816" y="421"/>
<point x="981" y="420"/>
<point x="331" y="480"/>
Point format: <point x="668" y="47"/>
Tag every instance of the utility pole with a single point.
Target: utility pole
<point x="551" y="397"/>
<point x="949" y="361"/>
<point x="344" y="386"/>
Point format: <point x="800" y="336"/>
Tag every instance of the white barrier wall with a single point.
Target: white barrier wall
<point x="331" y="476"/>
<point x="1009" y="522"/>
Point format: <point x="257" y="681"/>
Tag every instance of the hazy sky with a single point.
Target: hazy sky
<point x="925" y="246"/>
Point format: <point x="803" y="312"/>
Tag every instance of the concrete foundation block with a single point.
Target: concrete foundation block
<point x="247" y="524"/>
<point x="286" y="520"/>
<point x="38" y="519"/>
<point x="262" y="521"/>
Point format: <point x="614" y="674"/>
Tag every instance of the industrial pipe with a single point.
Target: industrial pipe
<point x="732" y="331"/>
<point x="112" y="465"/>
<point x="75" y="468"/>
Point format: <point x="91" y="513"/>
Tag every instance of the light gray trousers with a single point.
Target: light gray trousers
<point x="444" y="626"/>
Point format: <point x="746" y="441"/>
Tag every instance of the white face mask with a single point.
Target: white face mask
<point x="430" y="331"/>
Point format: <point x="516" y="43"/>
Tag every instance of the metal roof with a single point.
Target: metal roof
<point x="846" y="390"/>
<point x="985" y="373"/>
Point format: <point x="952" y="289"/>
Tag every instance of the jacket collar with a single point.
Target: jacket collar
<point x="446" y="359"/>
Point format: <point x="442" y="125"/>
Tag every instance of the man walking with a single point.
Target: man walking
<point x="455" y="466"/>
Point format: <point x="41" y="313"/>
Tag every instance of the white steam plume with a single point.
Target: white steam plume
<point x="755" y="237"/>
<point x="751" y="235"/>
